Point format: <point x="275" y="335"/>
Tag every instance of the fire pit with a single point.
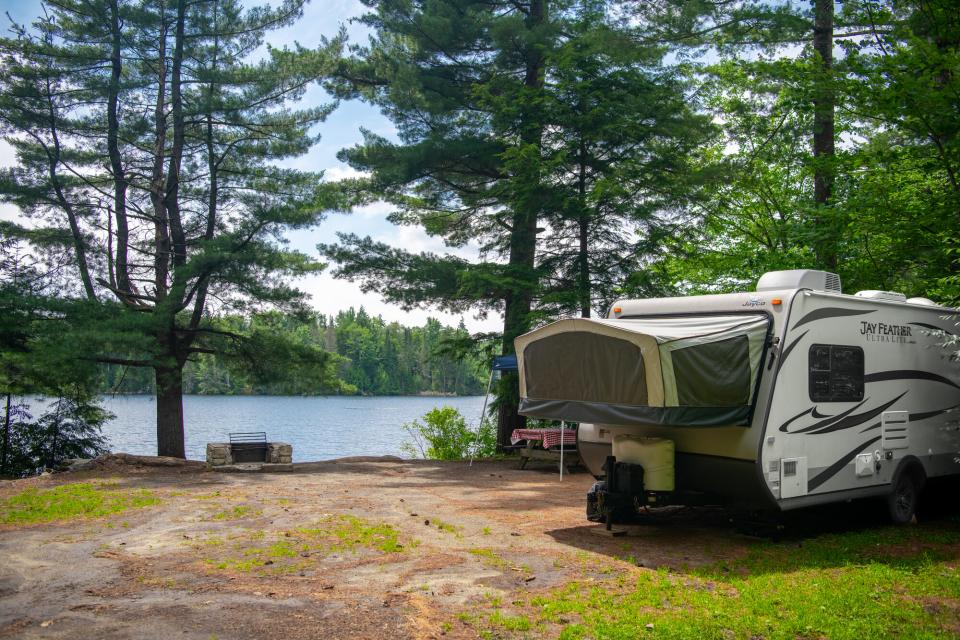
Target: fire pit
<point x="247" y="448"/>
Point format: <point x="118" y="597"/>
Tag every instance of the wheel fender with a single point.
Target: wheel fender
<point x="910" y="464"/>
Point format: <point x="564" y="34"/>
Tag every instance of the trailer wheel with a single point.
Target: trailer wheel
<point x="902" y="500"/>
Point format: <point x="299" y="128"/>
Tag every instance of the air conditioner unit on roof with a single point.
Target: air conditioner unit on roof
<point x="874" y="294"/>
<point x="799" y="279"/>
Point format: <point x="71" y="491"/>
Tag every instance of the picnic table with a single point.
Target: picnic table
<point x="544" y="444"/>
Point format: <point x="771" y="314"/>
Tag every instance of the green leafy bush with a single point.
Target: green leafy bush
<point x="68" y="428"/>
<point x="443" y="434"/>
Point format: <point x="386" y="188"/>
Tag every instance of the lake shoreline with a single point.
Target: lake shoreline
<point x="318" y="427"/>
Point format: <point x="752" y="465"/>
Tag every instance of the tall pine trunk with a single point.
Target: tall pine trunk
<point x="170" y="440"/>
<point x="523" y="238"/>
<point x="6" y="436"/>
<point x="823" y="134"/>
<point x="583" y="228"/>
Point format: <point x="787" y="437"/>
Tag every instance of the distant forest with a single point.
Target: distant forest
<point x="373" y="358"/>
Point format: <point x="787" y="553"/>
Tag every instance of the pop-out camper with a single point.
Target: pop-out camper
<point x="790" y="396"/>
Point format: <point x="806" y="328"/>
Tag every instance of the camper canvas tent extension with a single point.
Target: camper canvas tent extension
<point x="789" y="396"/>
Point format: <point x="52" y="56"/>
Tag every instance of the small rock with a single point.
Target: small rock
<point x="46" y="623"/>
<point x="414" y="515"/>
<point x="530" y="578"/>
<point x="649" y="626"/>
<point x="402" y="500"/>
<point x="514" y="533"/>
<point x="268" y="562"/>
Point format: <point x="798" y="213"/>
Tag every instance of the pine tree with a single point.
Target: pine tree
<point x="145" y="139"/>
<point x="499" y="107"/>
<point x="463" y="81"/>
<point x="624" y="141"/>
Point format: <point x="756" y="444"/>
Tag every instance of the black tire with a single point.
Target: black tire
<point x="904" y="497"/>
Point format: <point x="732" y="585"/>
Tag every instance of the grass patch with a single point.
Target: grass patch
<point x="236" y="513"/>
<point x="489" y="557"/>
<point x="890" y="582"/>
<point x="347" y="533"/>
<point x="446" y="527"/>
<point x="76" y="500"/>
<point x="300" y="549"/>
<point x="508" y="622"/>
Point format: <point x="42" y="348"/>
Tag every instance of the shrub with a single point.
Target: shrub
<point x="69" y="428"/>
<point x="443" y="434"/>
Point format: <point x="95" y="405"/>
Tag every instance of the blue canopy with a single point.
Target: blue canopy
<point x="505" y="363"/>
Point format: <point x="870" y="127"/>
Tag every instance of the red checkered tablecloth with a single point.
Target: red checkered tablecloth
<point x="548" y="437"/>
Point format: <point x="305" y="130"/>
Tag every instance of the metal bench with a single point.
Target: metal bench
<point x="248" y="446"/>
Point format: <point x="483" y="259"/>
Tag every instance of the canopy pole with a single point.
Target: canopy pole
<point x="483" y="412"/>
<point x="563" y="425"/>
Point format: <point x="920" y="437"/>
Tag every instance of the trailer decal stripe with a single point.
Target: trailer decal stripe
<point x="824" y="423"/>
<point x="829" y="312"/>
<point x="929" y="414"/>
<point x="786" y="352"/>
<point x="908" y="374"/>
<point x="844" y="420"/>
<point x="875" y="425"/>
<point x="835" y="468"/>
<point x="854" y="420"/>
<point x="783" y="427"/>
<point x="932" y="327"/>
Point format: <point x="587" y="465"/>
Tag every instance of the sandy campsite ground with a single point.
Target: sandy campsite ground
<point x="337" y="550"/>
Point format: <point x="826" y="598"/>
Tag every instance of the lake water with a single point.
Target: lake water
<point x="319" y="428"/>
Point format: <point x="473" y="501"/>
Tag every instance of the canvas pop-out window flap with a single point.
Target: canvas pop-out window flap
<point x="691" y="370"/>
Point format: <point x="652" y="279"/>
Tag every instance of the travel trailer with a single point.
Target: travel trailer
<point x="789" y="396"/>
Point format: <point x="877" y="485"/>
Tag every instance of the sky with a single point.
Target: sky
<point x="341" y="130"/>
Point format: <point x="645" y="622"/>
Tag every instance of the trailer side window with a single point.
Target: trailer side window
<point x="836" y="373"/>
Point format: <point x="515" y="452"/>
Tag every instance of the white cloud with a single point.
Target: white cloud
<point x="329" y="295"/>
<point x="343" y="172"/>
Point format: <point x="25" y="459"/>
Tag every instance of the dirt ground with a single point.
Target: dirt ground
<point x="182" y="568"/>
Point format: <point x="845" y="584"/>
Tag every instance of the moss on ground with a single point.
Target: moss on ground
<point x="301" y="548"/>
<point x="70" y="501"/>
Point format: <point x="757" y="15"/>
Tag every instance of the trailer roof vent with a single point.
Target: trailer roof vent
<point x="873" y="294"/>
<point x="799" y="279"/>
<point x="927" y="302"/>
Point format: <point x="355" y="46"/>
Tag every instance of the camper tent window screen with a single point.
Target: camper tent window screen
<point x="836" y="373"/>
<point x="715" y="374"/>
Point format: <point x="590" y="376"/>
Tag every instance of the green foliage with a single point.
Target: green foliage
<point x="892" y="215"/>
<point x="75" y="500"/>
<point x="360" y="354"/>
<point x="444" y="435"/>
<point x="37" y="357"/>
<point x="347" y="533"/>
<point x="69" y="428"/>
<point x="148" y="138"/>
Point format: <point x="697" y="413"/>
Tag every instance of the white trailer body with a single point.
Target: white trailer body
<point x="853" y="396"/>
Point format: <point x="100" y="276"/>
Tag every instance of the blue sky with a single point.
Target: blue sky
<point x="342" y="129"/>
